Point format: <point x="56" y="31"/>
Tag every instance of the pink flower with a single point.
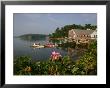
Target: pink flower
<point x="55" y="55"/>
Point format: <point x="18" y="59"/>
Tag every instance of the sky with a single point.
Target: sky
<point x="46" y="23"/>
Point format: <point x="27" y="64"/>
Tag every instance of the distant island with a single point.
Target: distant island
<point x="32" y="37"/>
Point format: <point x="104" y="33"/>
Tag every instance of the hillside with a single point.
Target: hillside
<point x="33" y="37"/>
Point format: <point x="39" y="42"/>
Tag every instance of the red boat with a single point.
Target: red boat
<point x="49" y="45"/>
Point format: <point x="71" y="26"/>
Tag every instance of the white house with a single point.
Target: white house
<point x="82" y="35"/>
<point x="94" y="35"/>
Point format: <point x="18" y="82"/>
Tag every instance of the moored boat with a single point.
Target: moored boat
<point x="37" y="46"/>
<point x="49" y="45"/>
<point x="41" y="46"/>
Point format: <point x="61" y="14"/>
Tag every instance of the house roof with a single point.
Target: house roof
<point x="83" y="32"/>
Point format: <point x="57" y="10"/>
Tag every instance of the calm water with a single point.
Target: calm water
<point x="22" y="48"/>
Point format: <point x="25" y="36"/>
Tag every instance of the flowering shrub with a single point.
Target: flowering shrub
<point x="28" y="69"/>
<point x="55" y="56"/>
<point x="58" y="65"/>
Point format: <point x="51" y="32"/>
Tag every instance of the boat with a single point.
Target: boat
<point x="41" y="46"/>
<point x="49" y="45"/>
<point x="37" y="46"/>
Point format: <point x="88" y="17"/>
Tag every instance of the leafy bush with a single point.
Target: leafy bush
<point x="86" y="65"/>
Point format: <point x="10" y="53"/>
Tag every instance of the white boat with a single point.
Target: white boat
<point x="41" y="46"/>
<point x="37" y="46"/>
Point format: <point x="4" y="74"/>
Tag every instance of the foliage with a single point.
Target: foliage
<point x="63" y="31"/>
<point x="88" y="62"/>
<point x="86" y="65"/>
<point x="21" y="63"/>
<point x="68" y="44"/>
<point x="33" y="37"/>
<point x="82" y="45"/>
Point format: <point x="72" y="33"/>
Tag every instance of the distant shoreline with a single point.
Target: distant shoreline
<point x="32" y="37"/>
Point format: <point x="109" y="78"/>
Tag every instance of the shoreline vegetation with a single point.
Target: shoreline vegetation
<point x="85" y="65"/>
<point x="32" y="37"/>
<point x="63" y="31"/>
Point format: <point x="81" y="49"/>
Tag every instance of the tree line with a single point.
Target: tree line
<point x="63" y="31"/>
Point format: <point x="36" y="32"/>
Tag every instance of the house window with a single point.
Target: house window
<point x="94" y="36"/>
